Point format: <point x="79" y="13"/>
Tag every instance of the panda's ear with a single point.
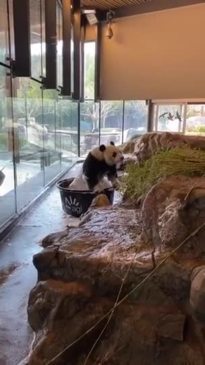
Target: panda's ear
<point x="102" y="147"/>
<point x="112" y="143"/>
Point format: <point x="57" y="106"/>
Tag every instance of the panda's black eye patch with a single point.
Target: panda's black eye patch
<point x="114" y="154"/>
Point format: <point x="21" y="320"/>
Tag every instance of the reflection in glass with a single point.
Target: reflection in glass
<point x="28" y="141"/>
<point x="67" y="130"/>
<point x="52" y="151"/>
<point x="135" y="118"/>
<point x="111" y="122"/>
<point x="89" y="126"/>
<point x="195" y="119"/>
<point x="168" y="118"/>
<point x="7" y="198"/>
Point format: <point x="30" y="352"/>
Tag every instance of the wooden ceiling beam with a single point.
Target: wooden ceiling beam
<point x="154" y="5"/>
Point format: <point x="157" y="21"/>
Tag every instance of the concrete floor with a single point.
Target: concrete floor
<point x="18" y="275"/>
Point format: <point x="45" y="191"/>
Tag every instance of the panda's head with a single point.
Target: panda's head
<point x="110" y="154"/>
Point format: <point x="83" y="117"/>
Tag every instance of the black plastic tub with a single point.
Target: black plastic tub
<point x="75" y="202"/>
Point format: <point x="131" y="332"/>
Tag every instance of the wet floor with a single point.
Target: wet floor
<point x="18" y="275"/>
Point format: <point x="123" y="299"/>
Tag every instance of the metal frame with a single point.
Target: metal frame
<point x="50" y="81"/>
<point x="22" y="64"/>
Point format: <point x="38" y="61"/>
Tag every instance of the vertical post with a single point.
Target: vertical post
<point x="123" y="120"/>
<point x="184" y="119"/>
<point x="12" y="136"/>
<point x="99" y="119"/>
<point x="22" y="64"/>
<point x="77" y="53"/>
<point x="50" y="81"/>
<point x="156" y="118"/>
<point x="66" y="8"/>
<point x="150" y="124"/>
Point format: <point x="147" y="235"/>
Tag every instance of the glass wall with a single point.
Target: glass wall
<point x="89" y="126"/>
<point x="38" y="128"/>
<point x="111" y="122"/>
<point x="195" y="119"/>
<point x="169" y="117"/>
<point x="135" y="118"/>
<point x="186" y="117"/>
<point x="7" y="196"/>
<point x="28" y="140"/>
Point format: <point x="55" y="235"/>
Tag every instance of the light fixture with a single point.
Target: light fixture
<point x="90" y="15"/>
<point x="109" y="31"/>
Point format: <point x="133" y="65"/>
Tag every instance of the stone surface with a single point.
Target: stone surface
<point x="83" y="273"/>
<point x="197" y="293"/>
<point x="148" y="144"/>
<point x="173" y="209"/>
<point x="172" y="326"/>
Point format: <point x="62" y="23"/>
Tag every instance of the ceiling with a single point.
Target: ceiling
<point x="111" y="4"/>
<point x="125" y="8"/>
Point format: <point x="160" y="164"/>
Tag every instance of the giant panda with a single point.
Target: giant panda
<point x="100" y="162"/>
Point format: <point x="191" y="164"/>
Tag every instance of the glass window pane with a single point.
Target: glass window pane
<point x="67" y="131"/>
<point x="7" y="196"/>
<point x="35" y="34"/>
<point x="29" y="134"/>
<point x="89" y="70"/>
<point x="52" y="149"/>
<point x="168" y="118"/>
<point x="4" y="29"/>
<point x="111" y="122"/>
<point x="89" y="126"/>
<point x="195" y="119"/>
<point x="135" y="119"/>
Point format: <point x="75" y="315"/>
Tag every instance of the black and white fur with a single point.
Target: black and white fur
<point x="102" y="161"/>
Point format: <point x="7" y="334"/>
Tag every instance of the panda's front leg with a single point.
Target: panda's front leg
<point x="112" y="176"/>
<point x="115" y="183"/>
<point x="92" y="182"/>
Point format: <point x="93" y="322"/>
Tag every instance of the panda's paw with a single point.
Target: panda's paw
<point x="97" y="190"/>
<point x="116" y="184"/>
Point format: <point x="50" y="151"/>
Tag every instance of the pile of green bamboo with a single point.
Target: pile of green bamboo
<point x="179" y="161"/>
